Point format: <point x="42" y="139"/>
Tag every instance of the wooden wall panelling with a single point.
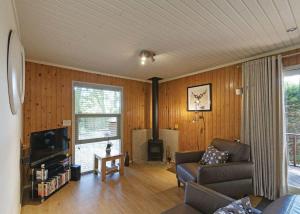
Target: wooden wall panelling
<point x="51" y="88"/>
<point x="48" y="99"/>
<point x="226" y="99"/>
<point x="35" y="113"/>
<point x="224" y="119"/>
<point x="27" y="107"/>
<point x="49" y="94"/>
<point x="58" y="92"/>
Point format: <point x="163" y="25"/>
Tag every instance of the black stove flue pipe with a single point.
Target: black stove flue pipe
<point x="155" y="131"/>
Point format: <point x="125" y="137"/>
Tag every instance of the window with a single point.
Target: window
<point x="291" y="86"/>
<point x="97" y="111"/>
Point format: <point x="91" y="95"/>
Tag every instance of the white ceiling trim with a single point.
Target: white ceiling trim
<point x="279" y="51"/>
<point x="85" y="70"/>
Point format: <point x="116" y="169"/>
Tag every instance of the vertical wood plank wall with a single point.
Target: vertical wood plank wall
<point x="48" y="99"/>
<point x="223" y="121"/>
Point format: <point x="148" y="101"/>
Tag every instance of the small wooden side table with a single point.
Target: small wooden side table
<point x="104" y="158"/>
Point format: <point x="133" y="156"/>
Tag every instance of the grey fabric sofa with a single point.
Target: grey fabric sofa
<point x="199" y="199"/>
<point x="233" y="179"/>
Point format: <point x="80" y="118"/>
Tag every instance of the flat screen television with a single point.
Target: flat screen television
<point x="48" y="144"/>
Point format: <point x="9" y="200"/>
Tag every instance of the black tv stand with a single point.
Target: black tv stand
<point x="50" y="176"/>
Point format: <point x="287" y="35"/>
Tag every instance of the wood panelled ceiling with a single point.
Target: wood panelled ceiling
<point x="187" y="35"/>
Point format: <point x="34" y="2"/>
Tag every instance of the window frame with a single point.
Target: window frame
<point x="119" y="116"/>
<point x="92" y="140"/>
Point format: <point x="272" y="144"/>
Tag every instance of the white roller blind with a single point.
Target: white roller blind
<point x="97" y="113"/>
<point x="92" y="100"/>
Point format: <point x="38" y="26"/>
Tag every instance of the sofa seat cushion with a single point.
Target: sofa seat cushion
<point x="182" y="209"/>
<point x="224" y="172"/>
<point x="188" y="171"/>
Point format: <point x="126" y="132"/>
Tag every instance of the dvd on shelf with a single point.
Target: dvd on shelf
<point x="46" y="188"/>
<point x="41" y="174"/>
<point x="49" y="177"/>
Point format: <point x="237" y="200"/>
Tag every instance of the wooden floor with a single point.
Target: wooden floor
<point x="145" y="188"/>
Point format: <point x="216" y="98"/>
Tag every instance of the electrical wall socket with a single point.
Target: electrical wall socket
<point x="67" y="122"/>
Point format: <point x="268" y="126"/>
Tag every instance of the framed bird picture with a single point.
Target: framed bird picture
<point x="199" y="98"/>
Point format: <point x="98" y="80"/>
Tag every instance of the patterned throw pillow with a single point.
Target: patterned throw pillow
<point x="214" y="156"/>
<point x="242" y="206"/>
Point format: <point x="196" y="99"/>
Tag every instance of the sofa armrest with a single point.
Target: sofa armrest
<point x="208" y="174"/>
<point x="188" y="157"/>
<point x="284" y="204"/>
<point x="203" y="199"/>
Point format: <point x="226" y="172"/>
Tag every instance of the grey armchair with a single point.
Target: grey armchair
<point x="233" y="178"/>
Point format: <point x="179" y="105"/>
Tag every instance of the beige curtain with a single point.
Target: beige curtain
<point x="263" y="125"/>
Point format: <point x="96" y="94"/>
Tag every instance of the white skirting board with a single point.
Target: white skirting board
<point x="140" y="139"/>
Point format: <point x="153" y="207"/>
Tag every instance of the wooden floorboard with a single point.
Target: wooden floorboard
<point x="145" y="188"/>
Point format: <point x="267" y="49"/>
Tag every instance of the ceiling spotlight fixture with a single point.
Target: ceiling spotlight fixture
<point x="146" y="56"/>
<point x="291" y="29"/>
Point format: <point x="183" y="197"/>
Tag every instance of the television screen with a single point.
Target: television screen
<point x="47" y="144"/>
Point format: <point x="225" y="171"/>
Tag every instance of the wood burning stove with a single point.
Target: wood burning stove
<point x="155" y="150"/>
<point x="155" y="145"/>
